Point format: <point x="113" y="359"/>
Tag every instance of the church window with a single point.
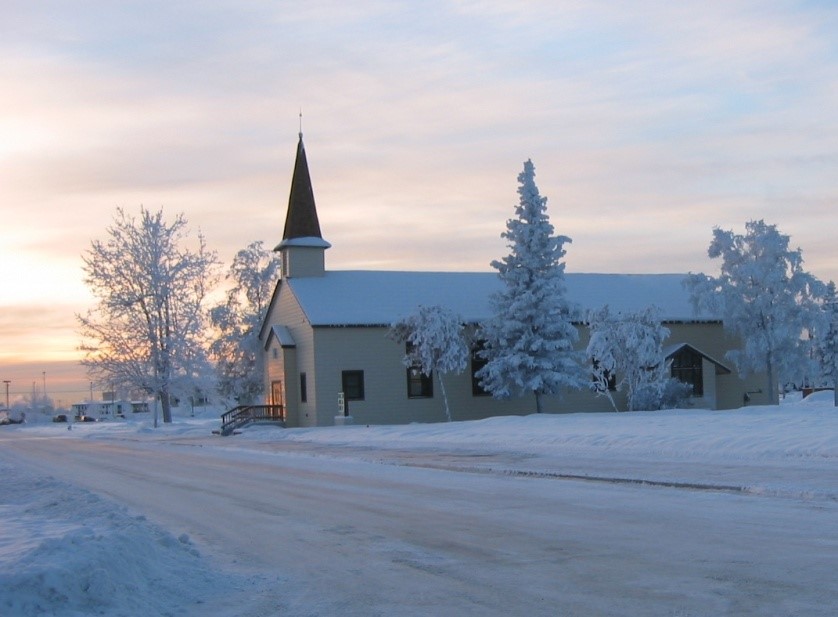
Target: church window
<point x="352" y="383"/>
<point x="687" y="367"/>
<point x="477" y="363"/>
<point x="610" y="378"/>
<point x="419" y="385"/>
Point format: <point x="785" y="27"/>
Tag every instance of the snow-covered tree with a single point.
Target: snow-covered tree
<point x="631" y="346"/>
<point x="436" y="343"/>
<point x="529" y="340"/>
<point x="826" y="339"/>
<point x="763" y="295"/>
<point x="236" y="350"/>
<point x="147" y="329"/>
<point x="604" y="353"/>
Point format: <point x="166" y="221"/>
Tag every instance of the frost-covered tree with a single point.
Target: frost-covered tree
<point x="763" y="295"/>
<point x="826" y="339"/>
<point x="236" y="350"/>
<point x="604" y="352"/>
<point x="436" y="343"/>
<point x="631" y="346"/>
<point x="146" y="331"/>
<point x="528" y="342"/>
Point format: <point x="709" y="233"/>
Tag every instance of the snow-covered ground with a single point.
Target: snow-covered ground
<point x="84" y="531"/>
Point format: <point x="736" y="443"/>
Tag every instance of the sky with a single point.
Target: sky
<point x="649" y="124"/>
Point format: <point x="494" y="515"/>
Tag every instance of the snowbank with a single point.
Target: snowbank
<point x="797" y="429"/>
<point x="800" y="429"/>
<point x="68" y="552"/>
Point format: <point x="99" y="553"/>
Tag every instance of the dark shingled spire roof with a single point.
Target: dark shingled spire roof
<point x="301" y="219"/>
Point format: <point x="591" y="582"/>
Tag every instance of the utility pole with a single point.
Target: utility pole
<point x="7" y="382"/>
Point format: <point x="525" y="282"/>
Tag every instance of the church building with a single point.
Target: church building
<point x="328" y="358"/>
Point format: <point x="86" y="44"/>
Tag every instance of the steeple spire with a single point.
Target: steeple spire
<point x="302" y="247"/>
<point x="301" y="219"/>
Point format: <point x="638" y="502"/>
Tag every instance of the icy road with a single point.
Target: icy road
<point x="372" y="530"/>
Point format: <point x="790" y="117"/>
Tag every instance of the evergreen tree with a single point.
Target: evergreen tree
<point x="436" y="343"/>
<point x="528" y="342"/>
<point x="764" y="296"/>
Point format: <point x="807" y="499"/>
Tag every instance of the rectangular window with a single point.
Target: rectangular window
<point x="352" y="383"/>
<point x="687" y="367"/>
<point x="419" y="385"/>
<point x="477" y="363"/>
<point x="303" y="388"/>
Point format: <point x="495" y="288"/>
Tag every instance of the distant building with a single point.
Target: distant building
<point x="325" y="340"/>
<point x="102" y="410"/>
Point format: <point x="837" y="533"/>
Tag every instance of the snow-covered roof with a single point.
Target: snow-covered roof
<point x="309" y="241"/>
<point x="283" y="335"/>
<point x="366" y="298"/>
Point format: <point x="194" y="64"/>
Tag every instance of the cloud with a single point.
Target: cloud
<point x="49" y="329"/>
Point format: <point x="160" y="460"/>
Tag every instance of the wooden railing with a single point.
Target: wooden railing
<point x="245" y="414"/>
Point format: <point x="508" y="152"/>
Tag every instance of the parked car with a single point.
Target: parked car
<point x="85" y="419"/>
<point x="60" y="418"/>
<point x="13" y="417"/>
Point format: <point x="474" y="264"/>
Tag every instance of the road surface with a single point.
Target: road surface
<point x="342" y="536"/>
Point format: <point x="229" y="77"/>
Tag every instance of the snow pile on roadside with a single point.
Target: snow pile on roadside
<point x="65" y="551"/>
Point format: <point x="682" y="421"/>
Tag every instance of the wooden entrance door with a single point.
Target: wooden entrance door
<point x="277" y="394"/>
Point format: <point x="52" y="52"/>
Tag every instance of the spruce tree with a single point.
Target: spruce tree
<point x="528" y="342"/>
